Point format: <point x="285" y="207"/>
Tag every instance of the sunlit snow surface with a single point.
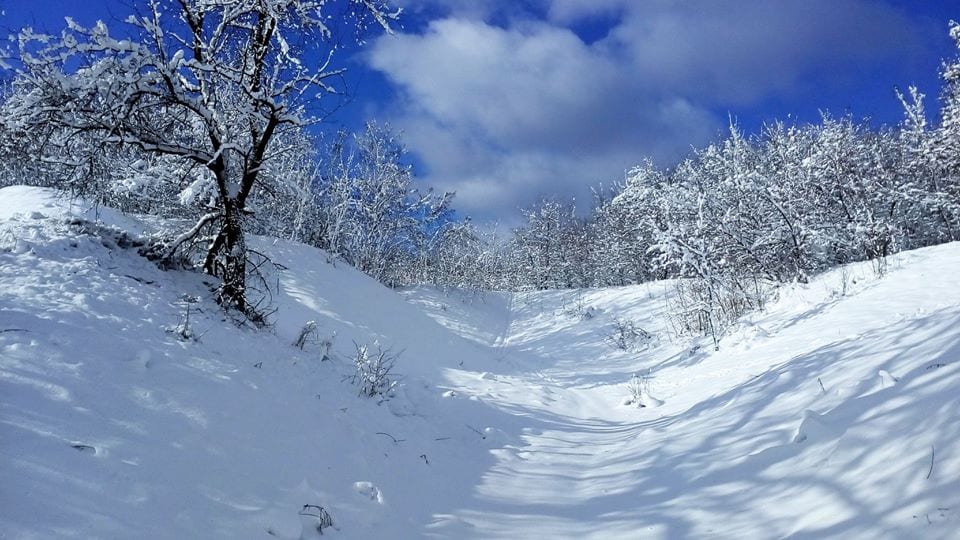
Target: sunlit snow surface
<point x="833" y="414"/>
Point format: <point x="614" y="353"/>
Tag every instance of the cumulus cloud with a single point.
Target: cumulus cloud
<point x="503" y="112"/>
<point x="504" y="115"/>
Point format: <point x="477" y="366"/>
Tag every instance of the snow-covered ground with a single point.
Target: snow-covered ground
<point x="835" y="413"/>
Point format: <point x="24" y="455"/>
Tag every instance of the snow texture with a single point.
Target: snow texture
<point x="831" y="415"/>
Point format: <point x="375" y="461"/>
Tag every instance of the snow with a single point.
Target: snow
<point x="831" y="414"/>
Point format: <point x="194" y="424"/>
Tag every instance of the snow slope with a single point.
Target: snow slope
<point x="832" y="414"/>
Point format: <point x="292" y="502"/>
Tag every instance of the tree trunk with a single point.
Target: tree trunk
<point x="233" y="291"/>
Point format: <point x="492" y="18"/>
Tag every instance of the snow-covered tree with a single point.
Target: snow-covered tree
<point x="942" y="151"/>
<point x="370" y="211"/>
<point x="933" y="215"/>
<point x="626" y="227"/>
<point x="208" y="84"/>
<point x="549" y="246"/>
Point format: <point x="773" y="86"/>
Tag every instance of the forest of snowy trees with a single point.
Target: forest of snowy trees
<point x="218" y="136"/>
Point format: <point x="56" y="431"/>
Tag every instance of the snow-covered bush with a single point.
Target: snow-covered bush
<point x="373" y="370"/>
<point x="184" y="328"/>
<point x="310" y="336"/>
<point x="700" y="307"/>
<point x="579" y="309"/>
<point x="626" y="335"/>
<point x="638" y="387"/>
<point x="314" y="519"/>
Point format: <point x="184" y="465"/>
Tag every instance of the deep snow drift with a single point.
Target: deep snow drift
<point x="832" y="414"/>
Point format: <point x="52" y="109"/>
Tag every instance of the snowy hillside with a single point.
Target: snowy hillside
<point x="832" y="414"/>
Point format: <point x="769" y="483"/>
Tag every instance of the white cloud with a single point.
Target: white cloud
<point x="514" y="85"/>
<point x="505" y="113"/>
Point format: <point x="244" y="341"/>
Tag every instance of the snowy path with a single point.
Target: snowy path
<point x="747" y="442"/>
<point x="562" y="472"/>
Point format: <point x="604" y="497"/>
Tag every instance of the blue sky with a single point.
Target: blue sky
<point x="507" y="100"/>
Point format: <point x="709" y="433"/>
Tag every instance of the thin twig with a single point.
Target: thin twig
<point x="821" y="385"/>
<point x="140" y="280"/>
<point x="932" y="454"/>
<point x="311" y="510"/>
<point x="395" y="440"/>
